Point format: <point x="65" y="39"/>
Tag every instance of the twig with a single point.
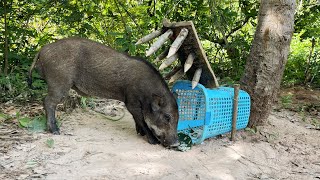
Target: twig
<point x="222" y="41"/>
<point x="307" y="71"/>
<point x="130" y="15"/>
<point x="122" y="19"/>
<point x="154" y="7"/>
<point x="174" y="6"/>
<point x="235" y="111"/>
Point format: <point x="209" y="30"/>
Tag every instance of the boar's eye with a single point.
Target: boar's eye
<point x="167" y="117"/>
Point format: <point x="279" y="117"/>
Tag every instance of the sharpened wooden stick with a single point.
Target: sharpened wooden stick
<point x="178" y="42"/>
<point x="235" y="111"/>
<point x="176" y="76"/>
<point x="149" y="37"/>
<point x="168" y="61"/>
<point x="196" y="77"/>
<point x="162" y="55"/>
<point x="189" y="62"/>
<point x="156" y="45"/>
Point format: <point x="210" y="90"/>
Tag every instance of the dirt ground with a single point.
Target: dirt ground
<point x="93" y="147"/>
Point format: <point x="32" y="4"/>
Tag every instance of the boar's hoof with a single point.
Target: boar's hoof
<point x="140" y="130"/>
<point x="54" y="131"/>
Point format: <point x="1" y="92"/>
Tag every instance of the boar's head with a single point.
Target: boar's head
<point x="162" y="119"/>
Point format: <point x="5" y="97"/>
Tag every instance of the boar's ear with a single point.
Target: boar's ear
<point x="157" y="102"/>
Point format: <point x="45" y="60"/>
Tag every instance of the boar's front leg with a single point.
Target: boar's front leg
<point x="141" y="126"/>
<point x="139" y="129"/>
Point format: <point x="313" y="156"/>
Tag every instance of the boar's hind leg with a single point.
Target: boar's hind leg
<point x="55" y="95"/>
<point x="141" y="126"/>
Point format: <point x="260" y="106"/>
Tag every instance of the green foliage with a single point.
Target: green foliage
<point x="24" y="122"/>
<point x="14" y="87"/>
<point x="299" y="69"/>
<point x="307" y="18"/>
<point x="185" y="142"/>
<point x="86" y="102"/>
<point x="227" y="81"/>
<point x="3" y="117"/>
<point x="251" y="130"/>
<point x="50" y="142"/>
<point x="225" y="28"/>
<point x="36" y="124"/>
<point x="286" y="100"/>
<point x="298" y="64"/>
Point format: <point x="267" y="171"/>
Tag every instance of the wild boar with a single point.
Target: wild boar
<point x="93" y="69"/>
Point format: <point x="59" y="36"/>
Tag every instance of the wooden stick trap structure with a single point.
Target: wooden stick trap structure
<point x="187" y="48"/>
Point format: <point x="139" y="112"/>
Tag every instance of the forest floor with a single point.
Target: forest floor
<point x="92" y="147"/>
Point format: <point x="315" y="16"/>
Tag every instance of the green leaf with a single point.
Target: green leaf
<point x="24" y="122"/>
<point x="50" y="142"/>
<point x="185" y="142"/>
<point x="37" y="124"/>
<point x="31" y="163"/>
<point x="83" y="102"/>
<point x="251" y="130"/>
<point x="4" y="116"/>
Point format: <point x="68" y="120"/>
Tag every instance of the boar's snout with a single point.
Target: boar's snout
<point x="173" y="143"/>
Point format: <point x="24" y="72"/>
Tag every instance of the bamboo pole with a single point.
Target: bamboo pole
<point x="235" y="111"/>
<point x="161" y="40"/>
<point x="178" y="42"/>
<point x="189" y="62"/>
<point x="149" y="37"/>
<point x="196" y="78"/>
<point x="168" y="61"/>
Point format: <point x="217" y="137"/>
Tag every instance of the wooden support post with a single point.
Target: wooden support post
<point x="235" y="111"/>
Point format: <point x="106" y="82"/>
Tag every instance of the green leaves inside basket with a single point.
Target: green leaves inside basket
<point x="185" y="142"/>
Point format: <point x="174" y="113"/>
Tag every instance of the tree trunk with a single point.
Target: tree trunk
<point x="5" y="70"/>
<point x="268" y="56"/>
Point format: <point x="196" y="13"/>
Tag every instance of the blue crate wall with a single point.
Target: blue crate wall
<point x="208" y="112"/>
<point x="192" y="110"/>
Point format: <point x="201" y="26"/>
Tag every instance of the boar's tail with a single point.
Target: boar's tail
<point x="29" y="80"/>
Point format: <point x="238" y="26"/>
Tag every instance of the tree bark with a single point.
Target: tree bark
<point x="6" y="63"/>
<point x="268" y="56"/>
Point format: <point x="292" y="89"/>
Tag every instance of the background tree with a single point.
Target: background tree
<point x="5" y="69"/>
<point x="268" y="56"/>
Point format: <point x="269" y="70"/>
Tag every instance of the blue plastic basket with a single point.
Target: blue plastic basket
<point x="205" y="113"/>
